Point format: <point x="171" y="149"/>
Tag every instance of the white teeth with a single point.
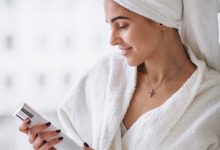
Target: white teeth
<point x="124" y="52"/>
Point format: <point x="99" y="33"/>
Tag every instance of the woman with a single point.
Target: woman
<point x="157" y="95"/>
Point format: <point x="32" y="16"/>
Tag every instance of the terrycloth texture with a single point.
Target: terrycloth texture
<point x="189" y="120"/>
<point x="168" y="12"/>
<point x="200" y="30"/>
<point x="123" y="129"/>
<point x="196" y="20"/>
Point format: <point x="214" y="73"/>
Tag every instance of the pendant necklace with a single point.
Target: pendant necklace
<point x="152" y="91"/>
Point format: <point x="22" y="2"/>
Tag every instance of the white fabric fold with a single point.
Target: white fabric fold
<point x="93" y="105"/>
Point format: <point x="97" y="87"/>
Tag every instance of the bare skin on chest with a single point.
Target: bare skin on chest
<point x="141" y="101"/>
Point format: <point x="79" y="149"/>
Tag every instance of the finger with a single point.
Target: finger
<point x="44" y="136"/>
<point x="38" y="145"/>
<point x="25" y="126"/>
<point x="50" y="144"/>
<point x="35" y="130"/>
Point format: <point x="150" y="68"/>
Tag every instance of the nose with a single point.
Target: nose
<point x="115" y="38"/>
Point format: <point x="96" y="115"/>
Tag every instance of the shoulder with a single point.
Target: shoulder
<point x="206" y="105"/>
<point x="208" y="92"/>
<point x="210" y="84"/>
<point x="209" y="79"/>
<point x="201" y="120"/>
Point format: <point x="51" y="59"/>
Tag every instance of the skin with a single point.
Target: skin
<point x="158" y="47"/>
<point x="37" y="136"/>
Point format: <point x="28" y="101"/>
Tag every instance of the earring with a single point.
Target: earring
<point x="162" y="27"/>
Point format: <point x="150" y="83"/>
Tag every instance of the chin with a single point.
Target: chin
<point x="133" y="63"/>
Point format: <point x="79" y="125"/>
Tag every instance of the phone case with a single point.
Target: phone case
<point x="25" y="111"/>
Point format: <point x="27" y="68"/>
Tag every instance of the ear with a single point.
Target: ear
<point x="162" y="27"/>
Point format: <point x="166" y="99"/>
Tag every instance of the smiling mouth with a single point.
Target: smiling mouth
<point x="126" y="51"/>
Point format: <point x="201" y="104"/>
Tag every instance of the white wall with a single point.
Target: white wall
<point x="44" y="47"/>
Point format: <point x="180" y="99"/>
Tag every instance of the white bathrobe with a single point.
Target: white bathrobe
<point x="189" y="120"/>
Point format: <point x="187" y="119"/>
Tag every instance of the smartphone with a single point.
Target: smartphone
<point x="24" y="111"/>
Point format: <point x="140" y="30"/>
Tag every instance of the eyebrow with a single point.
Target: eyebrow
<point x="118" y="17"/>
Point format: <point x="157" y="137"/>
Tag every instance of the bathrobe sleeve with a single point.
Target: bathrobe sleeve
<point x="81" y="111"/>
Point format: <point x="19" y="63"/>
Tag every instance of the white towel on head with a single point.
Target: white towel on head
<point x="200" y="30"/>
<point x="196" y="19"/>
<point x="167" y="12"/>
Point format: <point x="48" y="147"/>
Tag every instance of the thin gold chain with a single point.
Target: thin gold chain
<point x="153" y="90"/>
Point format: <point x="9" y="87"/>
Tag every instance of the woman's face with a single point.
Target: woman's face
<point x="137" y="37"/>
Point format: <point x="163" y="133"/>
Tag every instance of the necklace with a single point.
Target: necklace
<point x="152" y="92"/>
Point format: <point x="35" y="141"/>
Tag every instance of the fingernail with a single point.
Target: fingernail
<point x="60" y="138"/>
<point x="48" y="124"/>
<point x="86" y="145"/>
<point x="58" y="131"/>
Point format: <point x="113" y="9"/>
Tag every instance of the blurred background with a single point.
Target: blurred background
<point x="45" y="45"/>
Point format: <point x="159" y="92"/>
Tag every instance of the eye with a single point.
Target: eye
<point x="122" y="25"/>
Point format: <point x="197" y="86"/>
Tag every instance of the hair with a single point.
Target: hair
<point x="141" y="68"/>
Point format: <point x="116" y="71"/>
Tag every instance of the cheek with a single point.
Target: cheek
<point x="146" y="41"/>
<point x="138" y="36"/>
<point x="144" y="46"/>
<point x="140" y="42"/>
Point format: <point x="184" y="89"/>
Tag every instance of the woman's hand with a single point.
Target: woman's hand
<point x="38" y="137"/>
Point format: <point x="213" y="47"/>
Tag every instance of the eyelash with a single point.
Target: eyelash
<point x="120" y="27"/>
<point x="123" y="27"/>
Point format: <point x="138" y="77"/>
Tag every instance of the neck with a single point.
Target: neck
<point x="166" y="62"/>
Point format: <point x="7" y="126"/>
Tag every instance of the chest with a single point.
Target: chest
<point x="142" y="101"/>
